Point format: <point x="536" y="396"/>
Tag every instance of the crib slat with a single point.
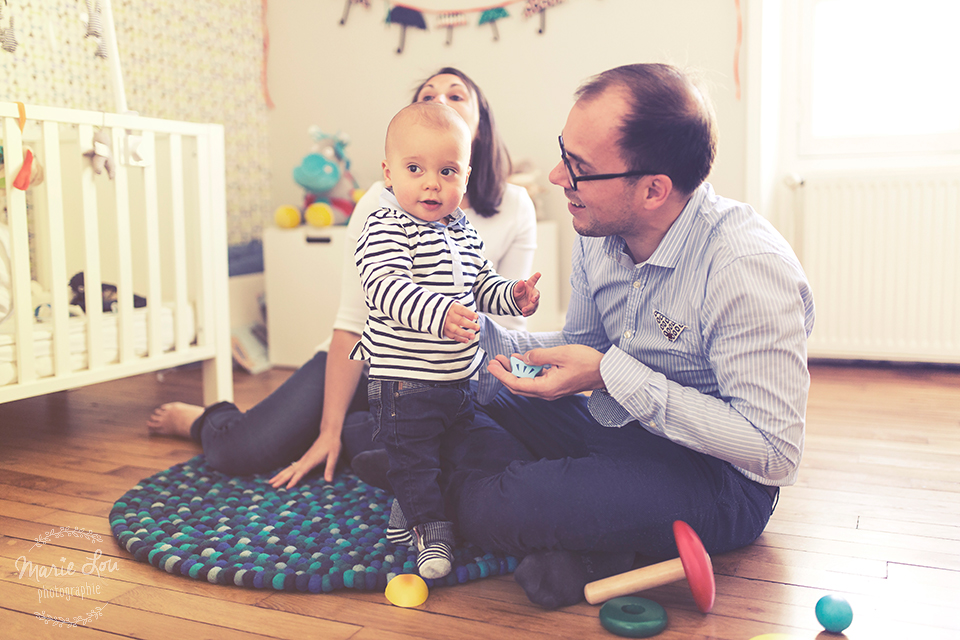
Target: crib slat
<point x="217" y="374"/>
<point x="20" y="253"/>
<point x="56" y="249"/>
<point x="152" y="221"/>
<point x="179" y="242"/>
<point x="125" y="258"/>
<point x="204" y="301"/>
<point x="93" y="296"/>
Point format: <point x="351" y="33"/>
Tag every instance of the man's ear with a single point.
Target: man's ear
<point x="657" y="190"/>
<point x="386" y="174"/>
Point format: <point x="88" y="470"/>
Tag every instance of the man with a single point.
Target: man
<point x="688" y="322"/>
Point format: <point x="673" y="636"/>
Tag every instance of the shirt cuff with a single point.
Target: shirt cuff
<point x="629" y="382"/>
<point x="493" y="340"/>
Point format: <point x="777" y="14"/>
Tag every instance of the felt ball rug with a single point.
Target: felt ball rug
<point x="317" y="537"/>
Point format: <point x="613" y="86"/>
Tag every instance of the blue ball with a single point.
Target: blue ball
<point x="834" y="613"/>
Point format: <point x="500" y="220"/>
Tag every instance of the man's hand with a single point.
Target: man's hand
<point x="573" y="368"/>
<point x="526" y="296"/>
<point x="460" y="323"/>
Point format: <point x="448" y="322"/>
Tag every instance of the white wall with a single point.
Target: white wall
<point x="350" y="78"/>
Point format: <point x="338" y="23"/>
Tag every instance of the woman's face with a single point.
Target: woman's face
<point x="451" y="90"/>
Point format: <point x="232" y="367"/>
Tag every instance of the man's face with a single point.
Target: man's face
<point x="590" y="137"/>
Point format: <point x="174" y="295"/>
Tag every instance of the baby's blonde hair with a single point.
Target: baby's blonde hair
<point x="428" y="114"/>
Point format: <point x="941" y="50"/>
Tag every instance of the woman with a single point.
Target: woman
<point x="304" y="419"/>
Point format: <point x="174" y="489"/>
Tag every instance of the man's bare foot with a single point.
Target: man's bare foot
<point x="173" y="419"/>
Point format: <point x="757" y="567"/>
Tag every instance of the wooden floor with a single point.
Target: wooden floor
<point x="875" y="517"/>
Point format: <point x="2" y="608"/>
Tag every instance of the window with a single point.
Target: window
<point x="879" y="77"/>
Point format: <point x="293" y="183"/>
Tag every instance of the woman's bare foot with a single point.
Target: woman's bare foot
<point x="173" y="419"/>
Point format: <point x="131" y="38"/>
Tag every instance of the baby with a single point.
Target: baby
<point x="425" y="277"/>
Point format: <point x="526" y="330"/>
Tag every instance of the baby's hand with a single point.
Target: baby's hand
<point x="526" y="296"/>
<point x="460" y="323"/>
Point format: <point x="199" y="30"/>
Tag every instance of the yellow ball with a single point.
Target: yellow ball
<point x="287" y="216"/>
<point x="407" y="590"/>
<point x="319" y="214"/>
<point x="356" y="194"/>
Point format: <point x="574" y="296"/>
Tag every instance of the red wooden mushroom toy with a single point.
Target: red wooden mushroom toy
<point x="693" y="564"/>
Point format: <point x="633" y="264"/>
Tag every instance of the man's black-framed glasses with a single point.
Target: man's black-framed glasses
<point x="574" y="178"/>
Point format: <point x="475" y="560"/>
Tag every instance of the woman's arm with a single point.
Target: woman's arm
<point x="510" y="242"/>
<point x="342" y="374"/>
<point x="339" y="386"/>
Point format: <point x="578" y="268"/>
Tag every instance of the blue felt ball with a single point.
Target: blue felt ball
<point x="834" y="613"/>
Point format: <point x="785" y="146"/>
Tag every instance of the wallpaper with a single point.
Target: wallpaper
<point x="191" y="60"/>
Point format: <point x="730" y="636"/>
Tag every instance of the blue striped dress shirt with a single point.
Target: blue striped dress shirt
<point x="412" y="272"/>
<point x="704" y="343"/>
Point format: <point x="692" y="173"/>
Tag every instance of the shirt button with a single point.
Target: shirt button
<point x="636" y="284"/>
<point x="627" y="334"/>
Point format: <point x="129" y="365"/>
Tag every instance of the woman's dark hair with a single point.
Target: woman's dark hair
<point x="489" y="160"/>
<point x="669" y="127"/>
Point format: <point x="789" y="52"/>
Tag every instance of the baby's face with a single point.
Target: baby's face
<point x="428" y="169"/>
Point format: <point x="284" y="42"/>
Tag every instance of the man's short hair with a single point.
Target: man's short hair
<point x="669" y="127"/>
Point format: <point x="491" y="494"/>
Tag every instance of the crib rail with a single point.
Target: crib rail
<point x="157" y="229"/>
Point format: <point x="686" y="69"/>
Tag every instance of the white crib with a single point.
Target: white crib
<point x="157" y="229"/>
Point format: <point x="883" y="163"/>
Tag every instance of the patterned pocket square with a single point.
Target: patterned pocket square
<point x="670" y="329"/>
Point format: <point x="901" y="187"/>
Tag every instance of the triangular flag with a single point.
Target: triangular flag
<point x="539" y="6"/>
<point x="491" y="16"/>
<point x="346" y="9"/>
<point x="405" y="17"/>
<point x="451" y="20"/>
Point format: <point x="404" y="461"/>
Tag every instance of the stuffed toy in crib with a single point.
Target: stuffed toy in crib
<point x="109" y="293"/>
<point x="101" y="156"/>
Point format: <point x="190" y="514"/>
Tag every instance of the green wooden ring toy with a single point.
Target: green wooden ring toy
<point x="632" y="617"/>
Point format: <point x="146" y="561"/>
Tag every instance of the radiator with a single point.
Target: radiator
<point x="881" y="255"/>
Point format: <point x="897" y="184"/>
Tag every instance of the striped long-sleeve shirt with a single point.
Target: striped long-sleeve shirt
<point x="704" y="343"/>
<point x="412" y="272"/>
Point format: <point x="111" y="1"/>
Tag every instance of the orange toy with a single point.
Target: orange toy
<point x="22" y="181"/>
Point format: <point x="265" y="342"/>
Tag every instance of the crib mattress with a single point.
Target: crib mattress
<point x="43" y="342"/>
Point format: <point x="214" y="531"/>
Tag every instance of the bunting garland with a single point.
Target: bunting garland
<point x="409" y="15"/>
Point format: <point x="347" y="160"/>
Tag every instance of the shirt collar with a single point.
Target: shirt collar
<point x="668" y="252"/>
<point x="388" y="200"/>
